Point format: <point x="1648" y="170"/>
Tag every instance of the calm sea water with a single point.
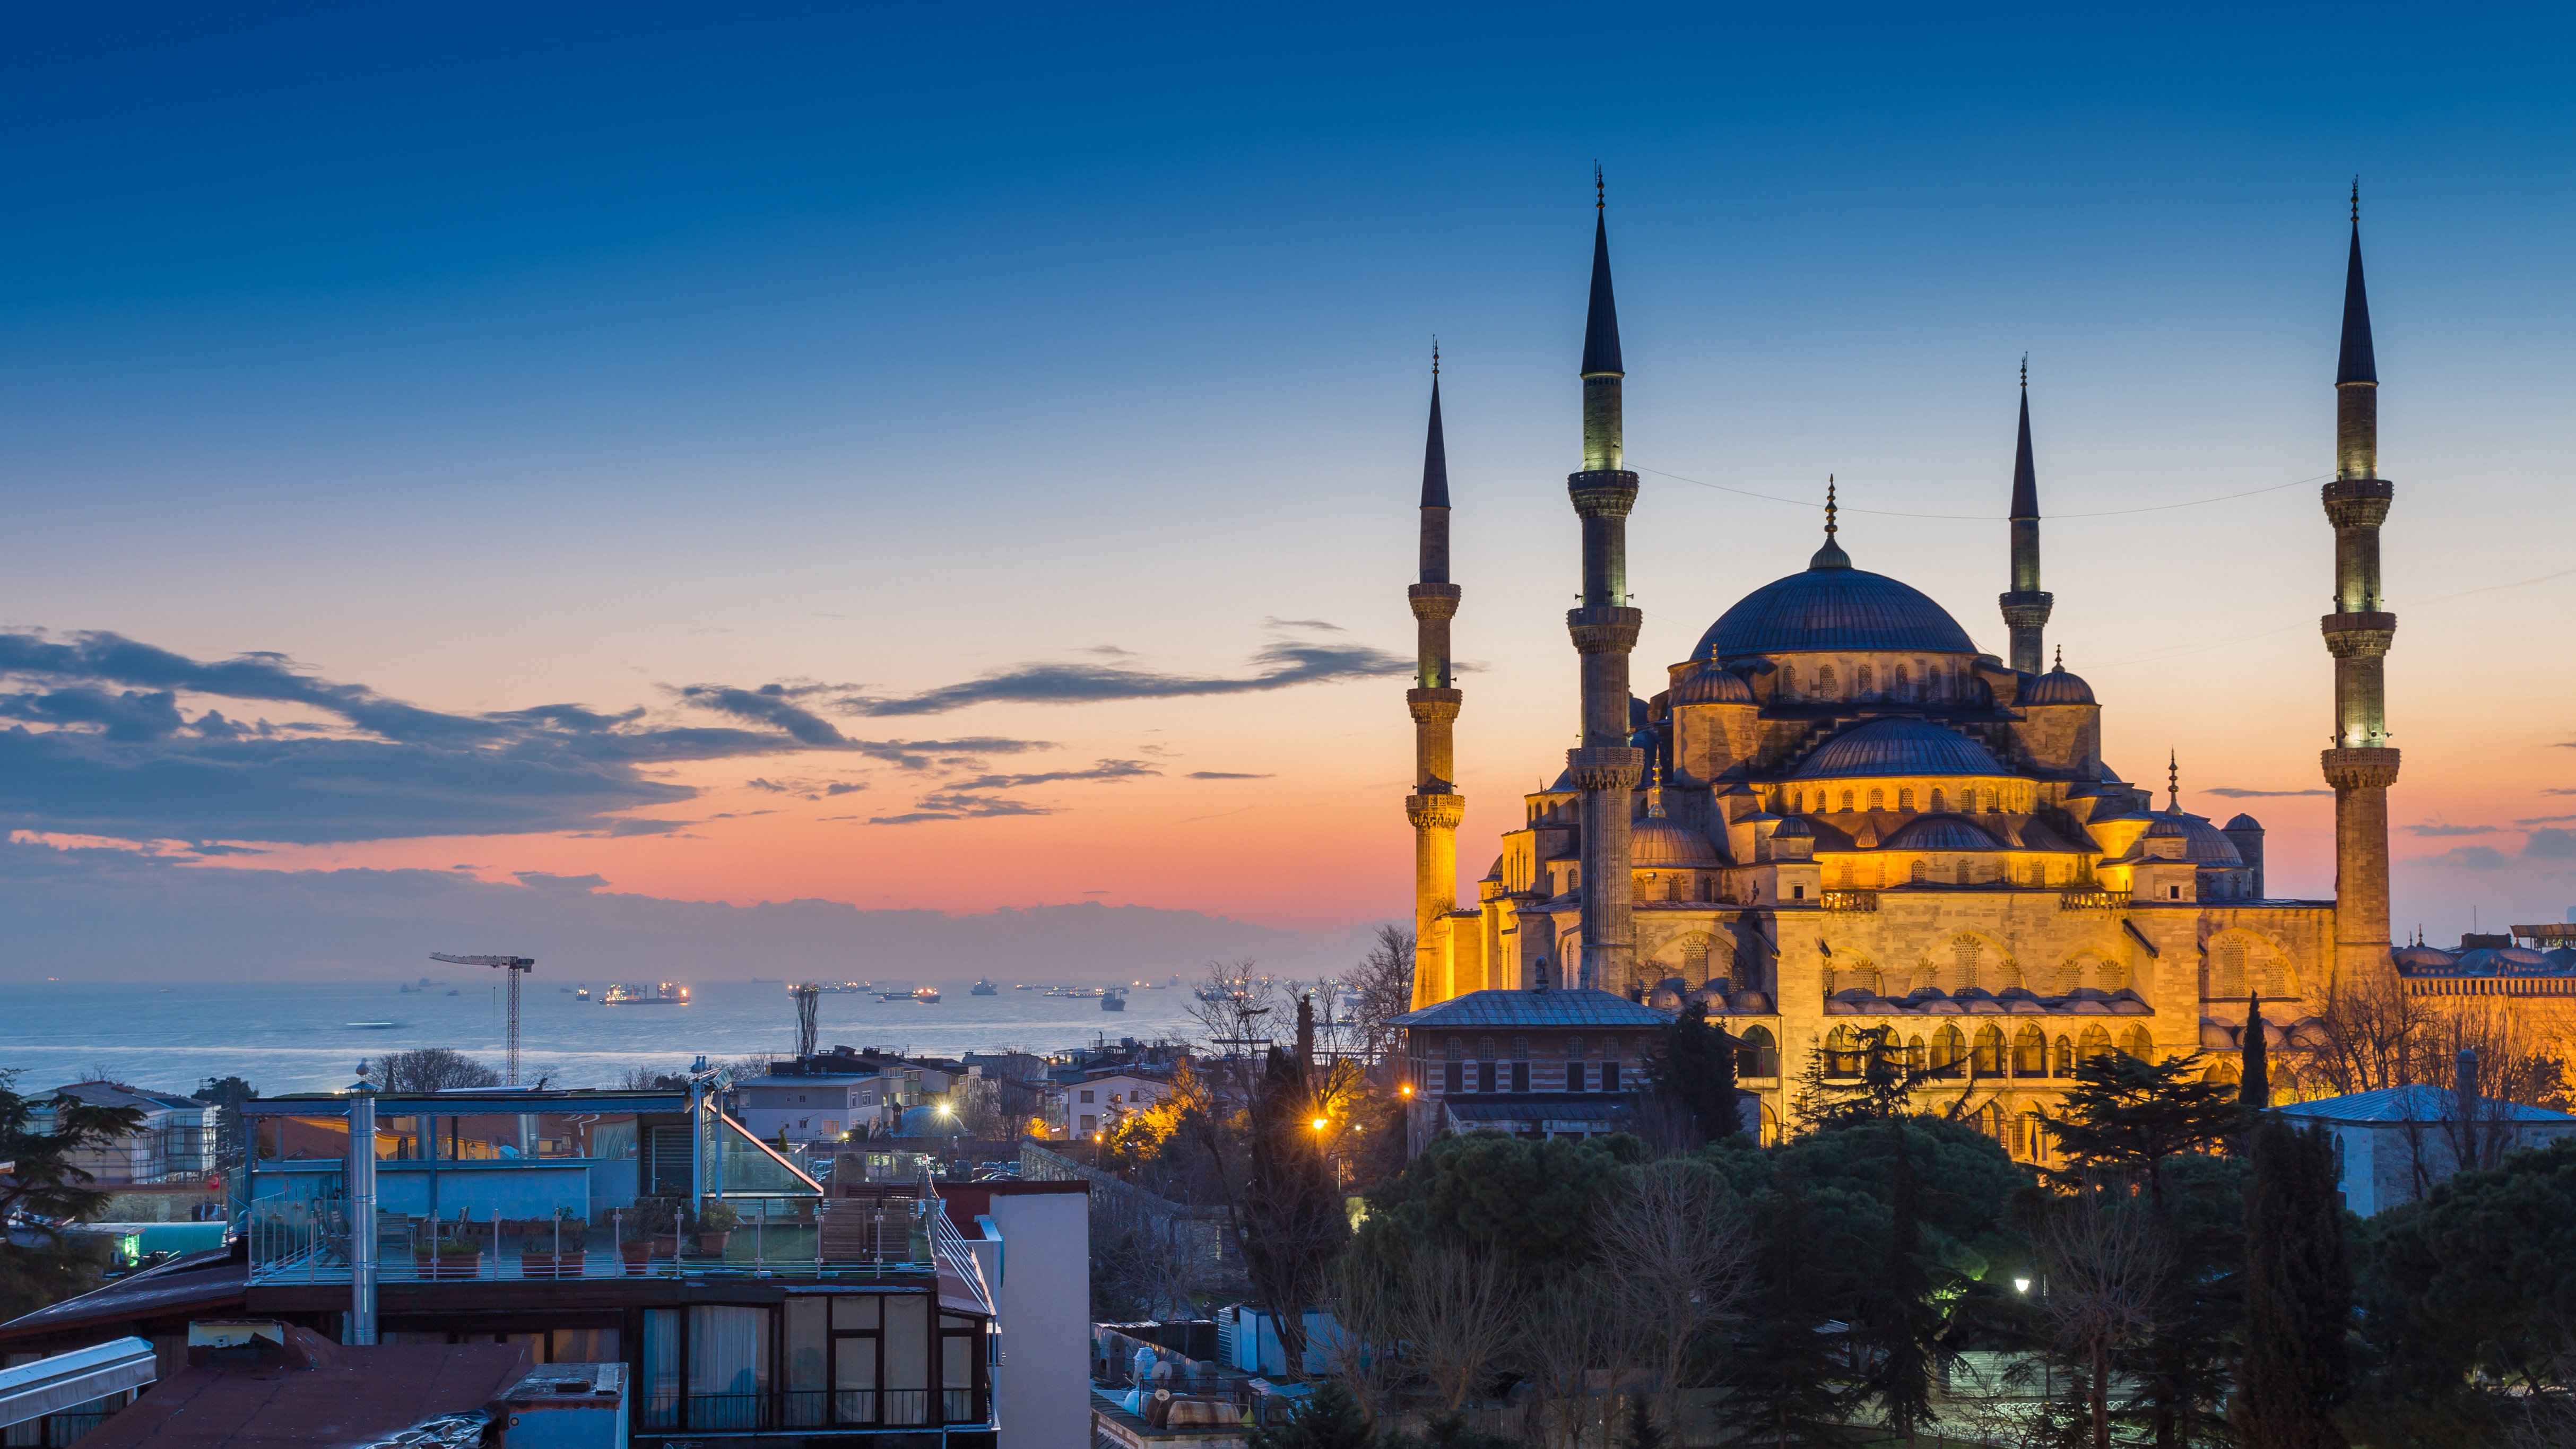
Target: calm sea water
<point x="297" y="1036"/>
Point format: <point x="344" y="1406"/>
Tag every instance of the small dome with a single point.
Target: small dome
<point x="2244" y="822"/>
<point x="2057" y="687"/>
<point x="2204" y="844"/>
<point x="2483" y="961"/>
<point x="1709" y="684"/>
<point x="2217" y="1036"/>
<point x="1793" y="828"/>
<point x="2562" y="960"/>
<point x="1656" y="841"/>
<point x="2522" y="961"/>
<point x="1939" y="832"/>
<point x="1898" y="746"/>
<point x="1646" y="739"/>
<point x="2424" y="961"/>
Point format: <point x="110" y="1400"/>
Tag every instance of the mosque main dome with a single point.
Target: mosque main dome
<point x="1834" y="608"/>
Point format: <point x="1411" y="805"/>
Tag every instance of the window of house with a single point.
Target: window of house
<point x="1454" y="1077"/>
<point x="1825" y="680"/>
<point x="1861" y="680"/>
<point x="1842" y="1054"/>
<point x="1914" y="1059"/>
<point x="1963" y="952"/>
<point x="1760" y="1054"/>
<point x="1905" y="799"/>
<point x="2173" y="893"/>
<point x="1485" y="1075"/>
<point x="1877" y="799"/>
<point x="1090" y="1122"/>
<point x="2065" y="1058"/>
<point x="1847" y="799"/>
<point x="1520" y="1076"/>
<point x="1939" y="802"/>
<point x="1797" y="893"/>
<point x="1610" y="1076"/>
<point x="2030" y="1052"/>
<point x="1904" y="683"/>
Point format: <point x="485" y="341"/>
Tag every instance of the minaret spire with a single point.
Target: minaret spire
<point x="1435" y="807"/>
<point x="2360" y="764"/>
<point x="2026" y="606"/>
<point x="1605" y="766"/>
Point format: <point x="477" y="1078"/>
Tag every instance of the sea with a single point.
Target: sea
<point x="311" y="1036"/>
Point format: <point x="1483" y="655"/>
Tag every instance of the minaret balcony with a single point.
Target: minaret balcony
<point x="2362" y="767"/>
<point x="2358" y="502"/>
<point x="2358" y="635"/>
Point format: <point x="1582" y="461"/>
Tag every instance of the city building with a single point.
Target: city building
<point x="2396" y="1144"/>
<point x="1539" y="1064"/>
<point x="747" y="1298"/>
<point x="1093" y="1102"/>
<point x="1839" y="814"/>
<point x="174" y="1144"/>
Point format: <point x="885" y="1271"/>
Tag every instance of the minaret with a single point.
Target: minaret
<point x="1605" y="767"/>
<point x="2361" y="764"/>
<point x="2026" y="607"/>
<point x="1435" y="807"/>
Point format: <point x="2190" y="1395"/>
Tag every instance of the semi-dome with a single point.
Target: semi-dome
<point x="2243" y="822"/>
<point x="1897" y="746"/>
<point x="2204" y="844"/>
<point x="2418" y="960"/>
<point x="1793" y="828"/>
<point x="1939" y="832"/>
<point x="1834" y="608"/>
<point x="1711" y="684"/>
<point x="2057" y="687"/>
<point x="1657" y="842"/>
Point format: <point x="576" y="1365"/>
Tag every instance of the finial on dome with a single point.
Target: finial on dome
<point x="1831" y="556"/>
<point x="2060" y="666"/>
<point x="1655" y="791"/>
<point x="2173" y="783"/>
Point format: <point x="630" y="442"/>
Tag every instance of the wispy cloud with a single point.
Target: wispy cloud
<point x="1106" y="770"/>
<point x="2543" y="820"/>
<point x="2436" y="828"/>
<point x="103" y="743"/>
<point x="548" y="881"/>
<point x="2473" y="857"/>
<point x="960" y="807"/>
<point x="2550" y="844"/>
<point x="1224" y="775"/>
<point x="1284" y="664"/>
<point x="2231" y="792"/>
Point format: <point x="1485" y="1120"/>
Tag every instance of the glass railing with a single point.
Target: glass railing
<point x="813" y="1409"/>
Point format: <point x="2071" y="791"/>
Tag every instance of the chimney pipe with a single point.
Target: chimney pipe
<point x="362" y="1213"/>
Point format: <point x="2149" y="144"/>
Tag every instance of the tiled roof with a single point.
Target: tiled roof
<point x="2410" y="1104"/>
<point x="1582" y="1006"/>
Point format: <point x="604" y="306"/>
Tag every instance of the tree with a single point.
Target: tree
<point x="1692" y="1066"/>
<point x="1331" y="1419"/>
<point x="1643" y="1432"/>
<point x="2104" y="1265"/>
<point x="2127" y="1117"/>
<point x="1672" y="1250"/>
<point x="1457" y="1313"/>
<point x="1534" y="1204"/>
<point x="431" y="1069"/>
<point x="1383" y="982"/>
<point x="1902" y="1328"/>
<point x="42" y="1184"/>
<point x="2254" y="1081"/>
<point x="1579" y="1331"/>
<point x="1783" y="1378"/>
<point x="227" y="1094"/>
<point x="1289" y="1221"/>
<point x="2298" y="1293"/>
<point x="1872" y="1083"/>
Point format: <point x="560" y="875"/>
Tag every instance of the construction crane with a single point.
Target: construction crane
<point x="809" y="995"/>
<point x="512" y="967"/>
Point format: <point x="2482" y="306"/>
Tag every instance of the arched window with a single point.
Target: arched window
<point x="1760" y="1054"/>
<point x="1865" y="976"/>
<point x="1914" y="1054"/>
<point x="1824" y="681"/>
<point x="2231" y="969"/>
<point x="1921" y="871"/>
<point x="1847" y="799"/>
<point x="2030" y="1052"/>
<point x="2221" y="1070"/>
<point x="1949" y="1049"/>
<point x="1967" y="872"/>
<point x="1989" y="1061"/>
<point x="2093" y="1043"/>
<point x="1861" y="682"/>
<point x="1484" y="1049"/>
<point x="1905" y="799"/>
<point x="2135" y="1042"/>
<point x="1904" y="683"/>
<point x="1788" y="681"/>
<point x="1842" y="1054"/>
<point x="1674" y="889"/>
<point x="1878" y="799"/>
<point x="2065" y="1057"/>
<point x="1938" y="802"/>
<point x="1455" y="1049"/>
<point x="1963" y="956"/>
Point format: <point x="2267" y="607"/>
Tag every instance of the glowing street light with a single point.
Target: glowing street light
<point x="2021" y="1285"/>
<point x="1320" y="1124"/>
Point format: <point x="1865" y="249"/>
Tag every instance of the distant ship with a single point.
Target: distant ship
<point x="373" y="1025"/>
<point x="1113" y="1000"/>
<point x="927" y="996"/>
<point x="840" y="988"/>
<point x="664" y="993"/>
<point x="452" y="991"/>
<point x="1164" y="985"/>
<point x="581" y="994"/>
<point x="1024" y="986"/>
<point x="406" y="989"/>
<point x="983" y="988"/>
<point x="905" y="995"/>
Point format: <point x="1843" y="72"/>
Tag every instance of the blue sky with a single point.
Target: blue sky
<point x="483" y="360"/>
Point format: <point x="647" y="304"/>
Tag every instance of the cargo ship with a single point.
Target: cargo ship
<point x="983" y="988"/>
<point x="665" y="993"/>
<point x="927" y="996"/>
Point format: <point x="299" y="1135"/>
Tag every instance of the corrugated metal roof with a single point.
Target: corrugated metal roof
<point x="2410" y="1104"/>
<point x="1582" y="1006"/>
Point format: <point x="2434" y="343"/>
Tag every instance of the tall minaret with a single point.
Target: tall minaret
<point x="1435" y="807"/>
<point x="2361" y="764"/>
<point x="2026" y="607"/>
<point x="1605" y="767"/>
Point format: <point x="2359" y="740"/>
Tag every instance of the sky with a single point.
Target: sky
<point x="574" y="458"/>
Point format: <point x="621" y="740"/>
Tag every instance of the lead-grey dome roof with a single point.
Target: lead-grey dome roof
<point x="1898" y="746"/>
<point x="1939" y="832"/>
<point x="1838" y="609"/>
<point x="2057" y="687"/>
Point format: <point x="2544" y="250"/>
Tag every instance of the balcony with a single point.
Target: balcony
<point x="2090" y="899"/>
<point x="1849" y="900"/>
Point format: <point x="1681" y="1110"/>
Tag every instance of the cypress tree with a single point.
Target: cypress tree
<point x="2254" y="1086"/>
<point x="2298" y="1293"/>
<point x="1901" y="1335"/>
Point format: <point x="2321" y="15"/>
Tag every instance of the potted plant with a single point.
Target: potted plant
<point x="447" y="1258"/>
<point x="554" y="1247"/>
<point x="715" y="1228"/>
<point x="652" y="1231"/>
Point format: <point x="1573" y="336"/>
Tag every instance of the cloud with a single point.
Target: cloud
<point x="102" y="745"/>
<point x="2435" y="828"/>
<point x="2473" y="857"/>
<point x="1224" y="775"/>
<point x="225" y="850"/>
<point x="2543" y="820"/>
<point x="1282" y="665"/>
<point x="1321" y="626"/>
<point x="960" y="807"/>
<point x="845" y="787"/>
<point x="1106" y="770"/>
<point x="544" y="880"/>
<point x="2230" y="792"/>
<point x="2550" y="844"/>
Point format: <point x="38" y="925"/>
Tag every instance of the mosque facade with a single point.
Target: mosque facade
<point x="1838" y="813"/>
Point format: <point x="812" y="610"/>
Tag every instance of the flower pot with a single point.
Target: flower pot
<point x="552" y="1265"/>
<point x="712" y="1245"/>
<point x="637" y="1256"/>
<point x="447" y="1265"/>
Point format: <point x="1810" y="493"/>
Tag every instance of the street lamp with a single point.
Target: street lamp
<point x="1319" y="1124"/>
<point x="2021" y="1285"/>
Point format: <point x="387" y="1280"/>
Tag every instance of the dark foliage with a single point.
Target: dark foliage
<point x="1289" y="1222"/>
<point x="1643" y="1431"/>
<point x="1900" y="1324"/>
<point x="2127" y="1117"/>
<point x="44" y="1182"/>
<point x="2254" y="1080"/>
<point x="2298" y="1293"/>
<point x="1692" y="1066"/>
<point x="1783" y="1377"/>
<point x="1329" y="1420"/>
<point x="1531" y="1203"/>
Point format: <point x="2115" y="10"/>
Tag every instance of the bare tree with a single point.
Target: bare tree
<point x="1459" y="1313"/>
<point x="1239" y="1012"/>
<point x="1672" y="1255"/>
<point x="430" y="1069"/>
<point x="651" y="1079"/>
<point x="2374" y="1033"/>
<point x="2103" y="1265"/>
<point x="1369" y="1306"/>
<point x="1382" y="982"/>
<point x="1578" y="1334"/>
